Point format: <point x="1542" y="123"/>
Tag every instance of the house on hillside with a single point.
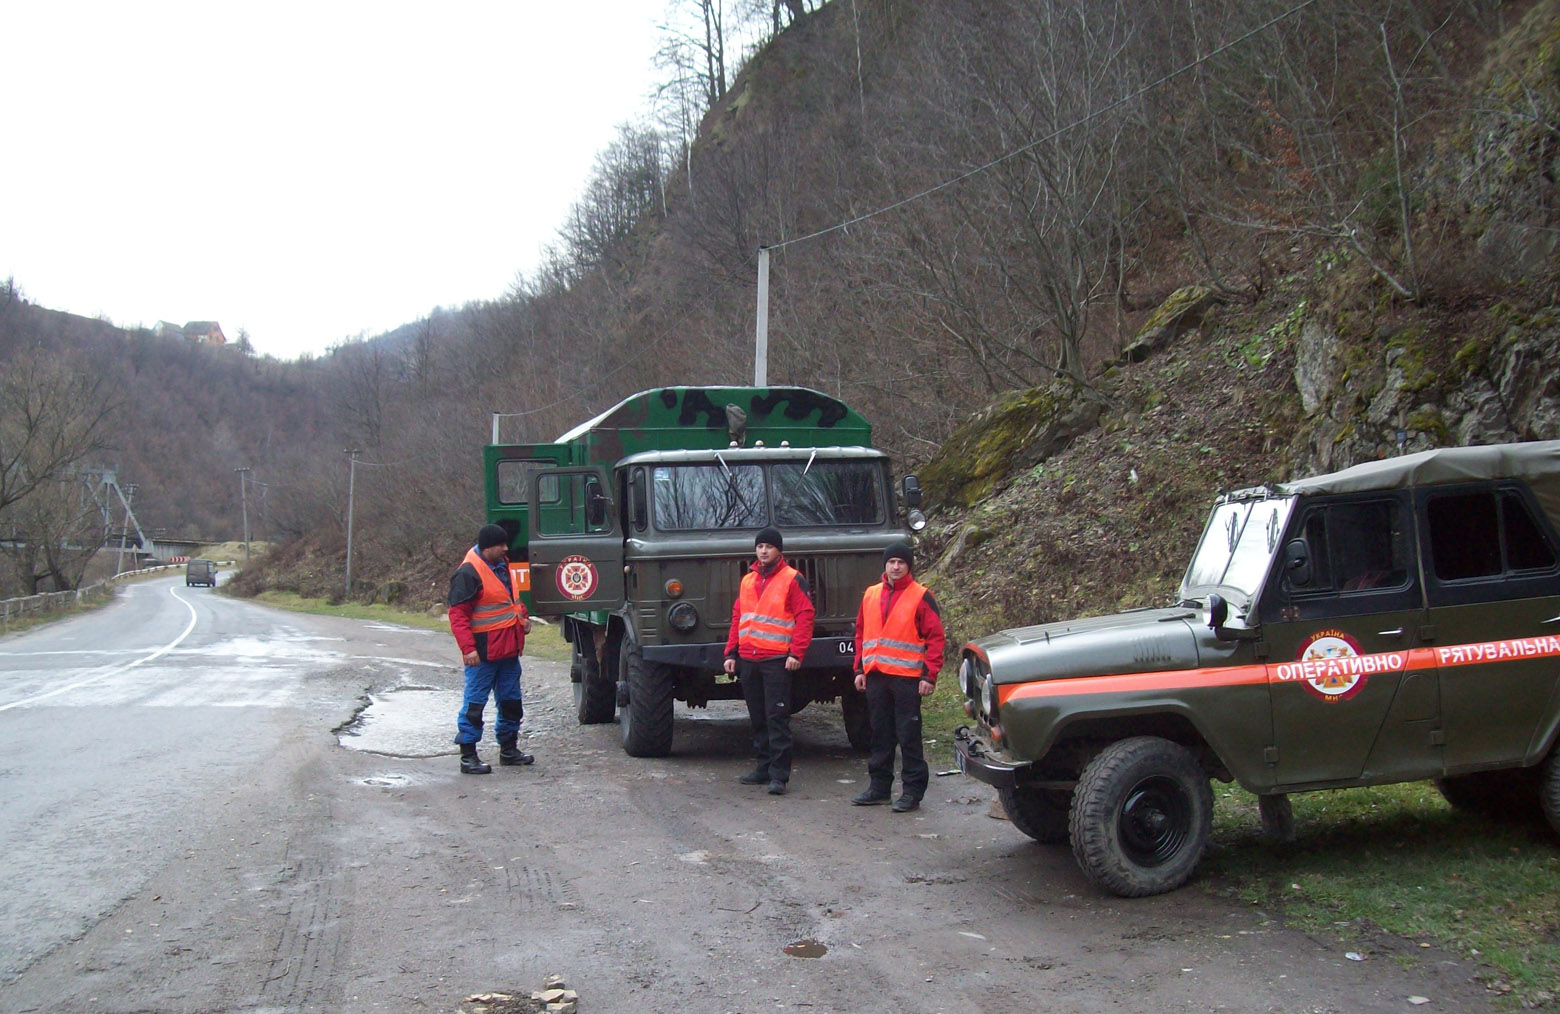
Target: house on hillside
<point x="207" y="332"/>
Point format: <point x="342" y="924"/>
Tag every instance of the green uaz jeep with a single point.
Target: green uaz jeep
<point x="1395" y="621"/>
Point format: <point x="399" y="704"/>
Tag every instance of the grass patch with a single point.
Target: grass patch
<point x="1397" y="859"/>
<point x="544" y="641"/>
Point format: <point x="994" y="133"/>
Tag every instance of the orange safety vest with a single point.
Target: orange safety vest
<point x="892" y="646"/>
<point x="764" y="627"/>
<point x="497" y="607"/>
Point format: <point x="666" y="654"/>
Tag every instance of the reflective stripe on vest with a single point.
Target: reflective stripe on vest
<point x="497" y="607"/>
<point x="892" y="646"/>
<point x="764" y="626"/>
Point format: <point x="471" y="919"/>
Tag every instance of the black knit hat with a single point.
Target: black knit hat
<point x="771" y="536"/>
<point x="900" y="551"/>
<point x="491" y="535"/>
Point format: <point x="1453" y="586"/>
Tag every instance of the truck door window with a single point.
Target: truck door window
<point x="514" y="481"/>
<point x="828" y="493"/>
<point x="693" y="497"/>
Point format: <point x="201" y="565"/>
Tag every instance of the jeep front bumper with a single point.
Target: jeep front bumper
<point x="977" y="760"/>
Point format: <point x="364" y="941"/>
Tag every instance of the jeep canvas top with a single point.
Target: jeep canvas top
<point x="1394" y="621"/>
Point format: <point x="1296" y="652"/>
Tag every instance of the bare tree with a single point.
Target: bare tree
<point x="52" y="415"/>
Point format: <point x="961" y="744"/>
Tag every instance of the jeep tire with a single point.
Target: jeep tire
<point x="1141" y="816"/>
<point x="645" y="723"/>
<point x="1509" y="795"/>
<point x="1039" y="813"/>
<point x="595" y="695"/>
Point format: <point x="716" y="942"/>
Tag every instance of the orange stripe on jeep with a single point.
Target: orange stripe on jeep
<point x="1366" y="666"/>
<point x="1173" y="679"/>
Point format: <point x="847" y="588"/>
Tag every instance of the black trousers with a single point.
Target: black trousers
<point x="766" y="686"/>
<point x="894" y="706"/>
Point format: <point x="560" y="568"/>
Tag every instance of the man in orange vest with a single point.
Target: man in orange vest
<point x="489" y="623"/>
<point x="771" y="627"/>
<point x="899" y="652"/>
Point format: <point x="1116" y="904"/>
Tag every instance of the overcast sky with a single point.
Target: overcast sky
<point x="305" y="171"/>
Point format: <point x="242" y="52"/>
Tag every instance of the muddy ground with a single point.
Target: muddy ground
<point x="372" y="876"/>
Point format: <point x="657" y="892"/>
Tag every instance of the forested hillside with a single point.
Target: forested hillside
<point x="1193" y="244"/>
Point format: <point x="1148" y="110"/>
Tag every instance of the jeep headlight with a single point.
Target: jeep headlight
<point x="967" y="678"/>
<point x="988" y="696"/>
<point x="683" y="617"/>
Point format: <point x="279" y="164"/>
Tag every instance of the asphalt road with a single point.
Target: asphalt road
<point x="209" y="805"/>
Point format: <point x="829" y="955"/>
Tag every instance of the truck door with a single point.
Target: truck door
<point x="576" y="546"/>
<point x="507" y="479"/>
<point x="1350" y="695"/>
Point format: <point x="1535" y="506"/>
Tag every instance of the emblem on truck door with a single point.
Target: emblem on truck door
<point x="576" y="577"/>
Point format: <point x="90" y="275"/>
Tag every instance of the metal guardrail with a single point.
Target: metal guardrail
<point x="52" y="602"/>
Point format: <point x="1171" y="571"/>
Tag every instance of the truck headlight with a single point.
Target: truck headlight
<point x="683" y="617"/>
<point x="988" y="697"/>
<point x="967" y="678"/>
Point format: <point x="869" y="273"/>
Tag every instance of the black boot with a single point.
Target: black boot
<point x="509" y="753"/>
<point x="470" y="763"/>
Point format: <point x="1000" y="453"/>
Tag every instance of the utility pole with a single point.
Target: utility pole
<point x="761" y="329"/>
<point x="243" y="499"/>
<point x="351" y="453"/>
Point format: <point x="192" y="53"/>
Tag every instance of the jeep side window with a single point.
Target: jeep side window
<point x="1484" y="534"/>
<point x="1357" y="546"/>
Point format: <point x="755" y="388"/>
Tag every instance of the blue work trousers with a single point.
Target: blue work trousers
<point x="501" y="678"/>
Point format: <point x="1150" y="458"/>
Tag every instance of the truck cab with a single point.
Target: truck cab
<point x="637" y="528"/>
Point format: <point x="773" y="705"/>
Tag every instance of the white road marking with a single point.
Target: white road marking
<point x="116" y="670"/>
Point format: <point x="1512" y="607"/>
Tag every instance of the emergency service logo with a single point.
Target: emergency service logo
<point x="1333" y="666"/>
<point x="576" y="577"/>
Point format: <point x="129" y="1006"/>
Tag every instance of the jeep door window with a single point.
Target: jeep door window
<point x="697" y="497"/>
<point x="1357" y="546"/>
<point x="828" y="493"/>
<point x="1484" y="538"/>
<point x="1237" y="546"/>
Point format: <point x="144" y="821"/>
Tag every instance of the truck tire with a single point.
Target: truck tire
<point x="1141" y="816"/>
<point x="1039" y="813"/>
<point x="858" y="720"/>
<point x="645" y="724"/>
<point x="595" y="695"/>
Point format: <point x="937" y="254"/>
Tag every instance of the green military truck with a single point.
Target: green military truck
<point x="637" y="527"/>
<point x="1395" y="621"/>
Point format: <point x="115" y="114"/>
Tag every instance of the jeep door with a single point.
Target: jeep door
<point x="576" y="542"/>
<point x="1493" y="583"/>
<point x="1348" y="705"/>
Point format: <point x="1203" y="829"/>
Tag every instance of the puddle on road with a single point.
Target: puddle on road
<point x="806" y="948"/>
<point x="387" y="781"/>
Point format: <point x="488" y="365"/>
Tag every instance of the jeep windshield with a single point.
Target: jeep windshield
<point x="1236" y="548"/>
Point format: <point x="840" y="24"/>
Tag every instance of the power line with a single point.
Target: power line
<point x="1053" y="134"/>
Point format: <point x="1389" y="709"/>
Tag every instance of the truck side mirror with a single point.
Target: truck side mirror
<point x="1297" y="563"/>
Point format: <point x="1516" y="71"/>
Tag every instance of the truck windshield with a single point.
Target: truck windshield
<point x="828" y="493"/>
<point x="687" y="497"/>
<point x="1237" y="546"/>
